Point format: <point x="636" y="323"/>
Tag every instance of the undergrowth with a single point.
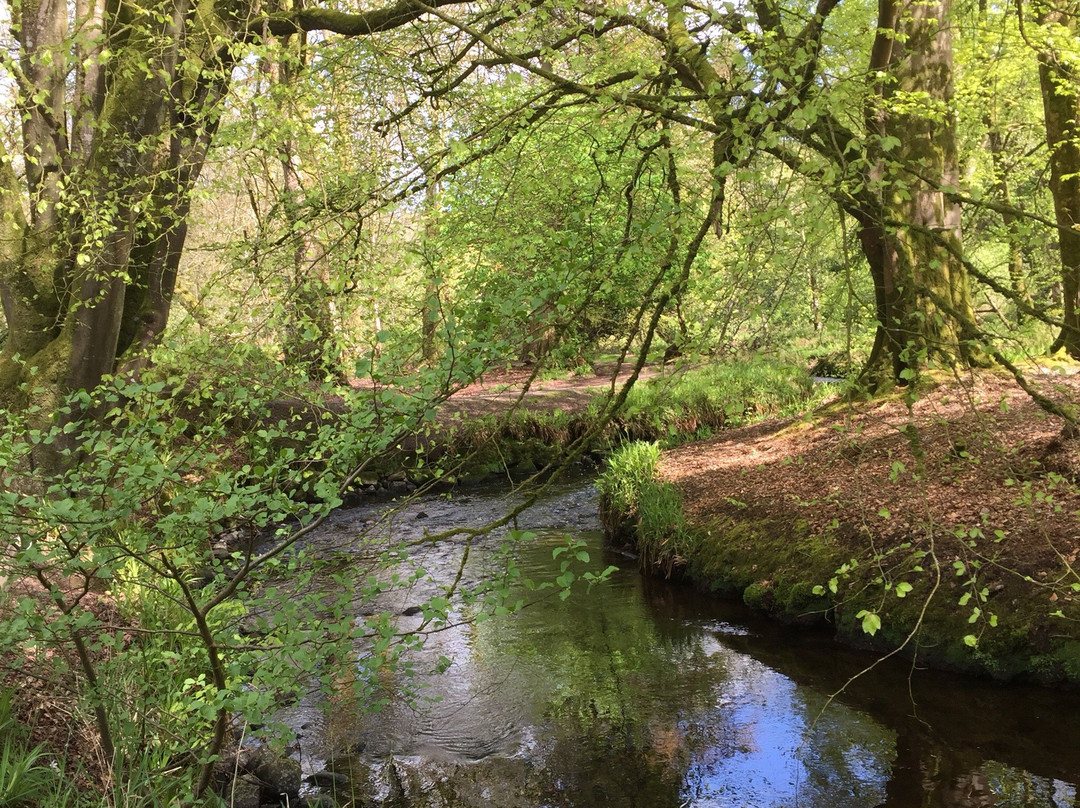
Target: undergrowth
<point x="27" y="780"/>
<point x="700" y="401"/>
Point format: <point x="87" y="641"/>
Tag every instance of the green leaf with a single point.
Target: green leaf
<point x="871" y="622"/>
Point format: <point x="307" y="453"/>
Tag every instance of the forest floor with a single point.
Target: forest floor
<point x="498" y="390"/>
<point x="972" y="452"/>
<point x="963" y="451"/>
<point x="963" y="492"/>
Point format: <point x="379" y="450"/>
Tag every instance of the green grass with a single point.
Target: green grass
<point x="26" y="778"/>
<point x="701" y="401"/>
<point x="643" y="509"/>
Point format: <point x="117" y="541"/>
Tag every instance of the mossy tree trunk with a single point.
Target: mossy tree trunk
<point x="119" y="103"/>
<point x="92" y="237"/>
<point x="911" y="236"/>
<point x="1059" y="80"/>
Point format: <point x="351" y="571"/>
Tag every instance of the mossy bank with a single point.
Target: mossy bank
<point x="931" y="593"/>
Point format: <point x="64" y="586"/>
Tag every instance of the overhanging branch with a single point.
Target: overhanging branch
<point x="363" y="23"/>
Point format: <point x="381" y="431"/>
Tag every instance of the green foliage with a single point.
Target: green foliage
<point x="26" y="778"/>
<point x="563" y="243"/>
<point x="698" y="401"/>
<point x="533" y="210"/>
<point x="628" y="470"/>
<point x="207" y="629"/>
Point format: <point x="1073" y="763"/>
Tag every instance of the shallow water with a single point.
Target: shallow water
<point x="638" y="693"/>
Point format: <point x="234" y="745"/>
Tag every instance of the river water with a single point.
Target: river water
<point x="640" y="693"/>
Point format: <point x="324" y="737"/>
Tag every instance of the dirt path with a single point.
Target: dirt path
<point x="498" y="390"/>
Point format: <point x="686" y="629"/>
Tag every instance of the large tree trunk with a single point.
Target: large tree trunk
<point x="89" y="274"/>
<point x="911" y="233"/>
<point x="1059" y="80"/>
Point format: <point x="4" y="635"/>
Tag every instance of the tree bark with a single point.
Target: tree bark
<point x="90" y="274"/>
<point x="310" y="328"/>
<point x="430" y="310"/>
<point x="1059" y="81"/>
<point x="1011" y="220"/>
<point x="911" y="233"/>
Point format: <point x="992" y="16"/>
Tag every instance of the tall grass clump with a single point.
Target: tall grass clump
<point x="27" y="780"/>
<point x="641" y="510"/>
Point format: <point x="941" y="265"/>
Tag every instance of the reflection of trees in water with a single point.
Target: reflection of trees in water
<point x="607" y="647"/>
<point x="648" y="698"/>
<point x="643" y="707"/>
<point x="1016" y="788"/>
<point x="613" y="689"/>
<point x="595" y="760"/>
<point x="950" y="731"/>
<point x="928" y="774"/>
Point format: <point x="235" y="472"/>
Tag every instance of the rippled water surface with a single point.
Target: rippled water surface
<point x="637" y="693"/>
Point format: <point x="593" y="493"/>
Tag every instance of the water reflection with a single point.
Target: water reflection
<point x="640" y="694"/>
<point x="639" y="702"/>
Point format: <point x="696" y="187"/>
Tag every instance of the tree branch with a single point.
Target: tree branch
<point x="364" y="23"/>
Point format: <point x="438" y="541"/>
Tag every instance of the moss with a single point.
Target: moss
<point x="802" y="602"/>
<point x="774" y="567"/>
<point x="1069" y="656"/>
<point x="782" y="569"/>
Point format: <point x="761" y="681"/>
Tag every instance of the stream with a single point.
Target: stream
<point x="640" y="693"/>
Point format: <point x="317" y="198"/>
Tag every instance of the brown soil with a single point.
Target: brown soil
<point x="970" y="454"/>
<point x="498" y="390"/>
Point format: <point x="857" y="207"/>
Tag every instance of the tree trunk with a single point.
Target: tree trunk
<point x="310" y="328"/>
<point x="1011" y="220"/>
<point x="1059" y="81"/>
<point x="89" y="275"/>
<point x="911" y="233"/>
<point x="431" y="310"/>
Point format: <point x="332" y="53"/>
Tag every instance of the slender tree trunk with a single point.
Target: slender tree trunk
<point x="431" y="308"/>
<point x="1059" y="80"/>
<point x="1012" y="222"/>
<point x="814" y="287"/>
<point x="310" y="328"/>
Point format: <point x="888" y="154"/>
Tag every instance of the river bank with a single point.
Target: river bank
<point x="643" y="691"/>
<point x="954" y="513"/>
<point x="943" y="524"/>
